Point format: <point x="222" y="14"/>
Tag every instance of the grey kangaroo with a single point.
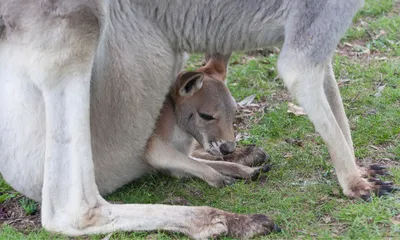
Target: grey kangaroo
<point x="83" y="82"/>
<point x="199" y="107"/>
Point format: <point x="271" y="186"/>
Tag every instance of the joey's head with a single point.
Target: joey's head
<point x="206" y="109"/>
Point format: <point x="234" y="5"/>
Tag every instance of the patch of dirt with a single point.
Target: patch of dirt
<point x="263" y="52"/>
<point x="382" y="156"/>
<point x="386" y="162"/>
<point x="277" y="98"/>
<point x="357" y="50"/>
<point x="354" y="49"/>
<point x="176" y="201"/>
<point x="196" y="192"/>
<point x="12" y="214"/>
<point x="246" y="118"/>
<point x="296" y="142"/>
<point x="327" y="219"/>
<point x="338" y="229"/>
<point x="396" y="219"/>
<point x="395" y="10"/>
<point x="251" y="113"/>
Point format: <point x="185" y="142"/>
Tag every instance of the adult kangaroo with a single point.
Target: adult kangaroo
<point x="82" y="83"/>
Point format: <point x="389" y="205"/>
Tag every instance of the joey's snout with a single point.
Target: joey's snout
<point x="227" y="148"/>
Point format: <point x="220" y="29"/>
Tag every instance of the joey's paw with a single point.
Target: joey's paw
<point x="228" y="180"/>
<point x="222" y="181"/>
<point x="249" y="155"/>
<point x="257" y="156"/>
<point x="249" y="226"/>
<point x="263" y="169"/>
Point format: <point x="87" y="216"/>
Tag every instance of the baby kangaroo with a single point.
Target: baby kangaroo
<point x="198" y="107"/>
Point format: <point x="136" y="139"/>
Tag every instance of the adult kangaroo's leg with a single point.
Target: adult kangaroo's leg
<point x="303" y="65"/>
<point x="70" y="199"/>
<point x="304" y="80"/>
<point x="71" y="203"/>
<point x="335" y="102"/>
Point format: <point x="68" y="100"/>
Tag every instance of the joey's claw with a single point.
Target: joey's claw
<point x="248" y="155"/>
<point x="222" y="181"/>
<point x="263" y="169"/>
<point x="266" y="168"/>
<point x="248" y="226"/>
<point x="277" y="228"/>
<point x="229" y="181"/>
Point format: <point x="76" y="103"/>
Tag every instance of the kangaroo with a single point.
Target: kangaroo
<point x="199" y="107"/>
<point x="82" y="84"/>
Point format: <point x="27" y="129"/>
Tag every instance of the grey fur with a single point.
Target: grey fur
<point x="130" y="52"/>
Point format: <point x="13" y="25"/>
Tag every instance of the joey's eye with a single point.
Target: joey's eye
<point x="206" y="116"/>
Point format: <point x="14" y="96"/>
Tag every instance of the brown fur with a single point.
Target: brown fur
<point x="180" y="123"/>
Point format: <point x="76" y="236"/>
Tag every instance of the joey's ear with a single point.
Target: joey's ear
<point x="189" y="82"/>
<point x="216" y="66"/>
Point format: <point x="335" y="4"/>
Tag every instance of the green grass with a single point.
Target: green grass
<point x="29" y="206"/>
<point x="301" y="193"/>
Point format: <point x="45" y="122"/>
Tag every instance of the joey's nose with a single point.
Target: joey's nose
<point x="227" y="148"/>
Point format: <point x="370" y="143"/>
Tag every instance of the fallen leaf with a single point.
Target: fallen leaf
<point x="379" y="90"/>
<point x="176" y="201"/>
<point x="246" y="59"/>
<point x="296" y="110"/>
<point x="153" y="236"/>
<point x="326" y="219"/>
<point x="238" y="137"/>
<point x="297" y="142"/>
<point x="287" y="155"/>
<point x="343" y="82"/>
<point x="335" y="192"/>
<point x="107" y="237"/>
<point x="375" y="148"/>
<point x="381" y="58"/>
<point x="248" y="100"/>
<point x="381" y="33"/>
<point x="370" y="111"/>
<point x="395" y="219"/>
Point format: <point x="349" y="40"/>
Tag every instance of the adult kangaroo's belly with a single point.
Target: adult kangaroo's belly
<point x="126" y="97"/>
<point x="22" y="134"/>
<point x="119" y="134"/>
